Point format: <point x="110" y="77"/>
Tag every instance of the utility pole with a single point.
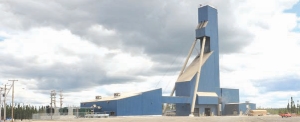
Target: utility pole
<point x="52" y="94"/>
<point x="1" y="103"/>
<point x="12" y="99"/>
<point x="61" y="98"/>
<point x="4" y="101"/>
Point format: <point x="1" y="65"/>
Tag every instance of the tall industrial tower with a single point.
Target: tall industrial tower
<point x="202" y="75"/>
<point x="197" y="88"/>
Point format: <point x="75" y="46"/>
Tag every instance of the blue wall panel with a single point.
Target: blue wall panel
<point x="207" y="100"/>
<point x="147" y="103"/>
<point x="130" y="106"/>
<point x="210" y="78"/>
<point x="183" y="88"/>
<point x="252" y="106"/>
<point x="152" y="102"/>
<point x="183" y="109"/>
<point x="203" y="32"/>
<point x="168" y="99"/>
<point x="229" y="96"/>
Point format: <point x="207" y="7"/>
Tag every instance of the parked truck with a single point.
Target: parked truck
<point x="285" y="115"/>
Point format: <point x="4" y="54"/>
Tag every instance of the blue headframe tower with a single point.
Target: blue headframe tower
<point x="199" y="82"/>
<point x="197" y="88"/>
<point x="210" y="78"/>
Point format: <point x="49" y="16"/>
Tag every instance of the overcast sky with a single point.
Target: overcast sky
<point x="98" y="47"/>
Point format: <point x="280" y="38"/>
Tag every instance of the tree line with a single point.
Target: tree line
<point x="22" y="111"/>
<point x="292" y="108"/>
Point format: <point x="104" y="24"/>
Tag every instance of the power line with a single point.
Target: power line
<point x="181" y="62"/>
<point x="170" y="66"/>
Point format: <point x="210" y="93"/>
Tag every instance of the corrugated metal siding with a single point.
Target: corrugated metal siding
<point x="183" y="88"/>
<point x="210" y="78"/>
<point x="152" y="102"/>
<point x="183" y="109"/>
<point x="130" y="106"/>
<point x="243" y="108"/>
<point x="229" y="96"/>
<point x="166" y="99"/>
<point x="148" y="103"/>
<point x="252" y="106"/>
<point x="207" y="100"/>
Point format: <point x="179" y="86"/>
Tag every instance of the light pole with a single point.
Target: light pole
<point x="0" y="103"/>
<point x="4" y="101"/>
<point x="12" y="99"/>
<point x="298" y="106"/>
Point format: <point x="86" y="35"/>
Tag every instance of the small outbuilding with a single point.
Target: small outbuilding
<point x="257" y="113"/>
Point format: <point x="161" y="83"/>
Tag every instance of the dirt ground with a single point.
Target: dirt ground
<point x="269" y="118"/>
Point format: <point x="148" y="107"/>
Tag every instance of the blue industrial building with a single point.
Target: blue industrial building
<point x="202" y="74"/>
<point x="129" y="104"/>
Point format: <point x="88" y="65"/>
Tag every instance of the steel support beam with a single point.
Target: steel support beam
<point x="182" y="69"/>
<point x="198" y="77"/>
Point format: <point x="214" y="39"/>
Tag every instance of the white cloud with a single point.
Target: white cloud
<point x="46" y="47"/>
<point x="99" y="29"/>
<point x="271" y="54"/>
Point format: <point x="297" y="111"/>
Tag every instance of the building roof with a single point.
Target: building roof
<point x="122" y="96"/>
<point x="240" y="103"/>
<point x="193" y="68"/>
<point x="207" y="94"/>
<point x="207" y="5"/>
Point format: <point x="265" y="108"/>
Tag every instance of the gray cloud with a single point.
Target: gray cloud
<point x="282" y="84"/>
<point x="164" y="30"/>
<point x="233" y="40"/>
<point x="69" y="77"/>
<point x="158" y="27"/>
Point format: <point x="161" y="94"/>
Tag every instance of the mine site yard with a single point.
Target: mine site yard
<point x="268" y="118"/>
<point x="109" y="84"/>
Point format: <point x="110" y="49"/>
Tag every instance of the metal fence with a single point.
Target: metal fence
<point x="56" y="116"/>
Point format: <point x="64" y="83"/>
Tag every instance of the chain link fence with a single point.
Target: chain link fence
<point x="49" y="116"/>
